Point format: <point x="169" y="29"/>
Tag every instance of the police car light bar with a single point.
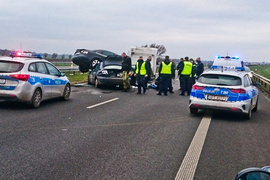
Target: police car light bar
<point x="25" y="54"/>
<point x="228" y="63"/>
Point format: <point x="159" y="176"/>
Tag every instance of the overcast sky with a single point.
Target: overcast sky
<point x="193" y="28"/>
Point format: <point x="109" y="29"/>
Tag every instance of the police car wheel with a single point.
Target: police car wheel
<point x="67" y="91"/>
<point x="256" y="106"/>
<point x="247" y="116"/>
<point x="193" y="110"/>
<point x="36" y="99"/>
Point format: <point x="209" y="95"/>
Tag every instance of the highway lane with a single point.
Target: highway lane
<point x="132" y="137"/>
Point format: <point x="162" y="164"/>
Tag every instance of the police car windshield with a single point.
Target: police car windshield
<point x="218" y="79"/>
<point x="9" y="67"/>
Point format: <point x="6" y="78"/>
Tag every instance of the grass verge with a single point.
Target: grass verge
<point x="77" y="78"/>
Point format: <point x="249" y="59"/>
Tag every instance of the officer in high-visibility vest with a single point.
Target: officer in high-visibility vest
<point x="165" y="74"/>
<point x="141" y="71"/>
<point x="193" y="73"/>
<point x="186" y="70"/>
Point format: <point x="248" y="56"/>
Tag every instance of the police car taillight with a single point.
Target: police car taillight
<point x="198" y="87"/>
<point x="22" y="77"/>
<point x="238" y="91"/>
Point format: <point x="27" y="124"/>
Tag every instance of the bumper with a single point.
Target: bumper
<point x="239" y="106"/>
<point x="110" y="80"/>
<point x="23" y="92"/>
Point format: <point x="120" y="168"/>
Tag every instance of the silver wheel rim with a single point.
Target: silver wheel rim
<point x="37" y="98"/>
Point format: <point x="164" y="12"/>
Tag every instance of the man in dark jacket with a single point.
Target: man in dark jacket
<point x="165" y="74"/>
<point x="200" y="67"/>
<point x="126" y="67"/>
<point x="149" y="70"/>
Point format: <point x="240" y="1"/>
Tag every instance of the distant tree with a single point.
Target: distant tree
<point x="45" y="55"/>
<point x="161" y="48"/>
<point x="70" y="56"/>
<point x="63" y="56"/>
<point x="54" y="55"/>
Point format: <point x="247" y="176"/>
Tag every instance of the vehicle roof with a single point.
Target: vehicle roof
<point x="225" y="72"/>
<point x="22" y="59"/>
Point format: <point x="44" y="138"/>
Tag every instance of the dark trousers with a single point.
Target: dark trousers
<point x="180" y="82"/>
<point x="191" y="82"/>
<point x="185" y="84"/>
<point x="164" y="84"/>
<point x="147" y="79"/>
<point x="170" y="88"/>
<point x="141" y="83"/>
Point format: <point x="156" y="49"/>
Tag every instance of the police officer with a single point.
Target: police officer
<point x="126" y="67"/>
<point x="165" y="73"/>
<point x="185" y="71"/>
<point x="149" y="70"/>
<point x="141" y="73"/>
<point x="193" y="73"/>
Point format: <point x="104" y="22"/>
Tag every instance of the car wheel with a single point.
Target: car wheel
<point x="67" y="91"/>
<point x="193" y="110"/>
<point x="94" y="62"/>
<point x="256" y="106"/>
<point x="36" y="99"/>
<point x="247" y="116"/>
<point x="97" y="85"/>
<point x="83" y="69"/>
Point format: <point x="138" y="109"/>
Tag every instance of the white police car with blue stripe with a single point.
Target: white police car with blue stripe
<point x="225" y="87"/>
<point x="28" y="78"/>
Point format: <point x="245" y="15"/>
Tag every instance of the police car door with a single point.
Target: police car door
<point x="44" y="79"/>
<point x="250" y="89"/>
<point x="57" y="84"/>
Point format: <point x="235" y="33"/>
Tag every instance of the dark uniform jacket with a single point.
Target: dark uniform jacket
<point x="126" y="64"/>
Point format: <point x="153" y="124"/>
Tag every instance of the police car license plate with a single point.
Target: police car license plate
<point x="2" y="81"/>
<point x="217" y="98"/>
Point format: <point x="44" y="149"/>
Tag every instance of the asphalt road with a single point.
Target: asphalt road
<point x="109" y="134"/>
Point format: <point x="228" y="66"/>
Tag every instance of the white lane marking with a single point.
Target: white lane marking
<point x="114" y="99"/>
<point x="190" y="162"/>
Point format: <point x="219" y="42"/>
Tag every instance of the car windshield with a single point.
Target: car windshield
<point x="9" y="67"/>
<point x="219" y="79"/>
<point x="112" y="61"/>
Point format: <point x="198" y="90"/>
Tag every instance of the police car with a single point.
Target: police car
<point x="226" y="86"/>
<point x="26" y="77"/>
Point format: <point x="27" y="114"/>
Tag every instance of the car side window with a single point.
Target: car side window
<point x="41" y="68"/>
<point x="52" y="70"/>
<point x="246" y="81"/>
<point x="32" y="67"/>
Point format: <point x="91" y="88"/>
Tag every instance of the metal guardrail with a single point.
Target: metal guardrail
<point x="70" y="70"/>
<point x="264" y="82"/>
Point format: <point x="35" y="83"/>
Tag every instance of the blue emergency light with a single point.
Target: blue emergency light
<point x="25" y="54"/>
<point x="228" y="63"/>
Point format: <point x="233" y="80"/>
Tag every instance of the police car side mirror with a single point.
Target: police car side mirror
<point x="62" y="74"/>
<point x="254" y="174"/>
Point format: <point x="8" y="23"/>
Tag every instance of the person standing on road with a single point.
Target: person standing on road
<point x="193" y="74"/>
<point x="185" y="70"/>
<point x="179" y="73"/>
<point x="149" y="70"/>
<point x="126" y="67"/>
<point x="200" y="67"/>
<point x="165" y="73"/>
<point x="141" y="74"/>
<point x="170" y="88"/>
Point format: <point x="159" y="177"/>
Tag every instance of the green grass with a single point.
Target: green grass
<point x="262" y="70"/>
<point x="77" y="78"/>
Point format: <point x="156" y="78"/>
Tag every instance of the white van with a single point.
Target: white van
<point x="136" y="52"/>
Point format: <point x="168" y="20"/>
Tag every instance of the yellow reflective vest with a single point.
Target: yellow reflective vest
<point x="187" y="68"/>
<point x="142" y="70"/>
<point x="166" y="69"/>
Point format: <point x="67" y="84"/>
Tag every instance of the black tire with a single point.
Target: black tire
<point x="256" y="106"/>
<point x="247" y="116"/>
<point x="83" y="69"/>
<point x="66" y="93"/>
<point x="36" y="98"/>
<point x="193" y="110"/>
<point x="94" y="62"/>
